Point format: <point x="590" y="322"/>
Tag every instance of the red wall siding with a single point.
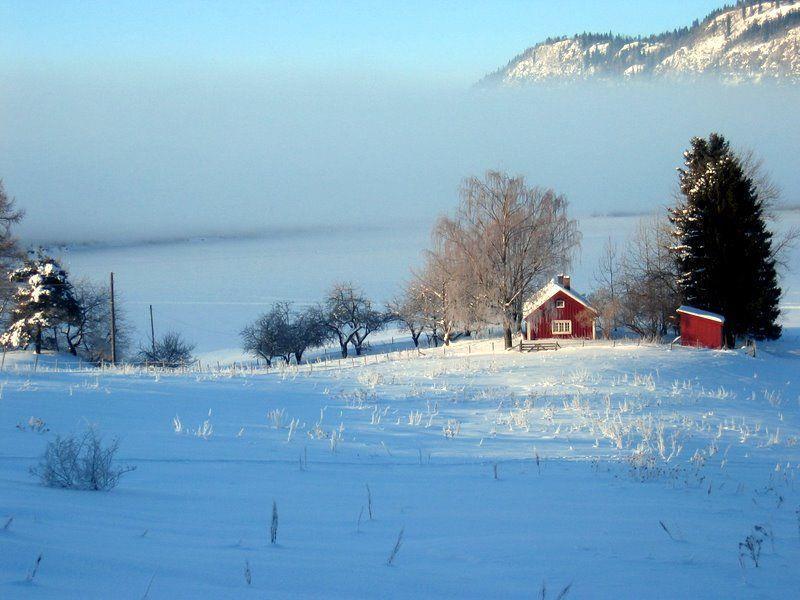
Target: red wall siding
<point x="538" y="322"/>
<point x="697" y="331"/>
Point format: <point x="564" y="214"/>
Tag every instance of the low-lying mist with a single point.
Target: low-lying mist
<point x="137" y="155"/>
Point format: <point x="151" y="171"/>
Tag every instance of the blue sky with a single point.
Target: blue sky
<point x="444" y="40"/>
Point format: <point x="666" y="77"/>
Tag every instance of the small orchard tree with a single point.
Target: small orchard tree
<point x="267" y="336"/>
<point x="171" y="350"/>
<point x="350" y="317"/>
<point x="369" y="321"/>
<point x="283" y="332"/>
<point x="90" y="335"/>
<point x="305" y="329"/>
<point x="44" y="299"/>
<point x="409" y="310"/>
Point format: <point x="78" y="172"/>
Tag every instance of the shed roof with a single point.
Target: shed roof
<point x="547" y="292"/>
<point x="703" y="314"/>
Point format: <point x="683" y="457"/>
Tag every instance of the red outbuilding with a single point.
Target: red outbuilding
<point x="556" y="311"/>
<point x="701" y="328"/>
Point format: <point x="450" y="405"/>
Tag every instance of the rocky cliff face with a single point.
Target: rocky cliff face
<point x="754" y="41"/>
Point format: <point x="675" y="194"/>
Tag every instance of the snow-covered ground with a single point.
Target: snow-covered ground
<point x="626" y="471"/>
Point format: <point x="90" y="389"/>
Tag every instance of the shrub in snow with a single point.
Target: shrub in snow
<point x="80" y="462"/>
<point x="170" y="351"/>
<point x="275" y="417"/>
<point x="751" y="546"/>
<point x="452" y="428"/>
<point x="205" y="431"/>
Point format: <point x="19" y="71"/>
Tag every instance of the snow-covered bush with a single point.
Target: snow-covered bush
<point x="80" y="462"/>
<point x="205" y="430"/>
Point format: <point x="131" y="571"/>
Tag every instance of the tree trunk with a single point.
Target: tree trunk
<point x="298" y="356"/>
<point x="344" y="349"/>
<point x="507" y="340"/>
<point x="730" y="339"/>
<point x="38" y="341"/>
<point x="415" y="339"/>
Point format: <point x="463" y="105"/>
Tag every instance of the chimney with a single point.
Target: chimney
<point x="563" y="281"/>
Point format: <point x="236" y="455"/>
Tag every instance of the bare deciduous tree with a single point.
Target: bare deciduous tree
<point x="649" y="294"/>
<point x="265" y="337"/>
<point x="90" y="335"/>
<point x="608" y="281"/>
<point x="10" y="253"/>
<point x="510" y="237"/>
<point x="409" y="309"/>
<point x="436" y="286"/>
<point x="306" y="329"/>
<point x="350" y="317"/>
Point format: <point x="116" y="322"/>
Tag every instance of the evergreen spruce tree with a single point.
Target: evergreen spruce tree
<point x="723" y="247"/>
<point x="43" y="300"/>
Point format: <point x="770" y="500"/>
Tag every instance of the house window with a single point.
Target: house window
<point x="562" y="328"/>
<point x="560" y="304"/>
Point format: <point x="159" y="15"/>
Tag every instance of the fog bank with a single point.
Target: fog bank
<point x="138" y="155"/>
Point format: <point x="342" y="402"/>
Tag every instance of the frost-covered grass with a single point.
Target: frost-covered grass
<point x="627" y="471"/>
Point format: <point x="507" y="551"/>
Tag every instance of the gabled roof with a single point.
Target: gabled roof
<point x="547" y="292"/>
<point x="703" y="314"/>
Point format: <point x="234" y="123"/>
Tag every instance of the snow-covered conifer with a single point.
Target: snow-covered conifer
<point x="722" y="245"/>
<point x="44" y="298"/>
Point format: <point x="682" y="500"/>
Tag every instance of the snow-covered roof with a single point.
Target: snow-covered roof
<point x="704" y="314"/>
<point x="547" y="292"/>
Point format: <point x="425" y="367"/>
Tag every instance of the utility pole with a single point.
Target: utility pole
<point x="152" y="332"/>
<point x="113" y="325"/>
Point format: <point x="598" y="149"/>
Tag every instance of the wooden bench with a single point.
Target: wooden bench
<point x="534" y="346"/>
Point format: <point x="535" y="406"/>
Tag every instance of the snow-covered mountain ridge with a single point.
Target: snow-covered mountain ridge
<point x="752" y="41"/>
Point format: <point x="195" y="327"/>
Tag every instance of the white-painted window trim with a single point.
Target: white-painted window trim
<point x="560" y="304"/>
<point x="561" y="328"/>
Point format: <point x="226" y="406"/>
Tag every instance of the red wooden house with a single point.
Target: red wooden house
<point x="556" y="311"/>
<point x="701" y="328"/>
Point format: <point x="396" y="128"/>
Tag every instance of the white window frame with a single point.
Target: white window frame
<point x="561" y="327"/>
<point x="560" y="304"/>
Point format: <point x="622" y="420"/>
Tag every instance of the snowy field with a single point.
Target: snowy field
<point x="626" y="471"/>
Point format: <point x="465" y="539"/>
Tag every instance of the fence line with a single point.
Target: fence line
<point x="320" y="363"/>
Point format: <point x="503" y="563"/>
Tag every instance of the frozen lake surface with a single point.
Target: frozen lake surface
<point x="209" y="289"/>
